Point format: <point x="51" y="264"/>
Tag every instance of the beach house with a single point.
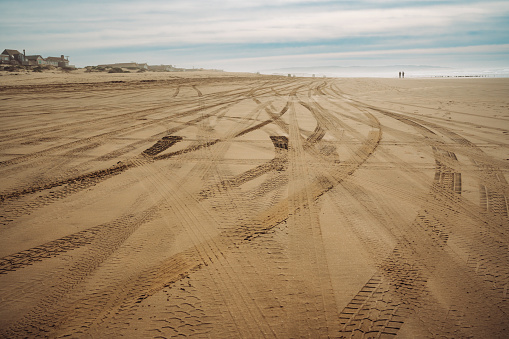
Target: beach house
<point x="35" y="60"/>
<point x="57" y="61"/>
<point x="13" y="57"/>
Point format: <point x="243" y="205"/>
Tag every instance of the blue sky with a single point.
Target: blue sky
<point x="257" y="35"/>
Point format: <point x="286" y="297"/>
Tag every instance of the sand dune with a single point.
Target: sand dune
<point x="219" y="205"/>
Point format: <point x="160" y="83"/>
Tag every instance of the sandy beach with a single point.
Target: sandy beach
<point x="229" y="205"/>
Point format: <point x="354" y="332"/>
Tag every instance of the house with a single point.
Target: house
<point x="15" y="57"/>
<point x="35" y="60"/>
<point x="52" y="61"/>
<point x="58" y="62"/>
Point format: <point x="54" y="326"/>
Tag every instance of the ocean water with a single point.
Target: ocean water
<point x="458" y="73"/>
<point x="392" y="72"/>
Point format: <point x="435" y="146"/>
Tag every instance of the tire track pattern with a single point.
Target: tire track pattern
<point x="410" y="294"/>
<point x="62" y="245"/>
<point x="121" y="299"/>
<point x="162" y="145"/>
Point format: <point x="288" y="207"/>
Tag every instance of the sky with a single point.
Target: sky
<point x="257" y="35"/>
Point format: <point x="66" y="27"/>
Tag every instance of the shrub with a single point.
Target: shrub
<point x="67" y="69"/>
<point x="116" y="70"/>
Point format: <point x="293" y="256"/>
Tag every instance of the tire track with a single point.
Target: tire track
<point x="354" y="318"/>
<point x="220" y="98"/>
<point x="62" y="245"/>
<point x="489" y="175"/>
<point x="118" y="301"/>
<point x="105" y="135"/>
<point x="197" y="90"/>
<point x="76" y="184"/>
<point x="316" y="315"/>
<point x="205" y="252"/>
<point x="43" y="316"/>
<point x="162" y="145"/>
<point x="116" y="169"/>
<point x="177" y="90"/>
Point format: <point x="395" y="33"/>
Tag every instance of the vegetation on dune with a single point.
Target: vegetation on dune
<point x="116" y="70"/>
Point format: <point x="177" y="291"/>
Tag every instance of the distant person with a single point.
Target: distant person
<point x="403" y="74"/>
<point x="400" y="74"/>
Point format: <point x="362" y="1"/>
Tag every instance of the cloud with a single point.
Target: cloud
<point x="275" y="27"/>
<point x="209" y="24"/>
<point x="445" y="56"/>
<point x="484" y="49"/>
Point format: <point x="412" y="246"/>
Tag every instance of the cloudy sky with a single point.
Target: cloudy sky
<point x="254" y="35"/>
